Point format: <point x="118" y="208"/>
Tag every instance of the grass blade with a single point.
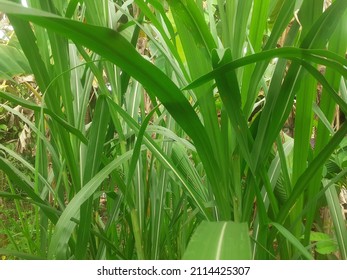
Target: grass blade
<point x="292" y="239"/>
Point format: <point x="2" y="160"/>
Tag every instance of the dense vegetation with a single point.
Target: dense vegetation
<point x="170" y="129"/>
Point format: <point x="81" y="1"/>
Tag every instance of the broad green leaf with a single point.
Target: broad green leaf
<point x="219" y="241"/>
<point x="324" y="244"/>
<point x="326" y="247"/>
<point x="12" y="62"/>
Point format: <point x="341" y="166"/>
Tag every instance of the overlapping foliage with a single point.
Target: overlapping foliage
<point x="153" y="116"/>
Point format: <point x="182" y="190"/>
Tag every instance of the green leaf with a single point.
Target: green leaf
<point x="337" y="218"/>
<point x="65" y="225"/>
<point x="12" y="62"/>
<point x="302" y="183"/>
<point x="114" y="47"/>
<point x="324" y="243"/>
<point x="296" y="54"/>
<point x="219" y="241"/>
<point x="326" y="247"/>
<point x="19" y="255"/>
<point x="231" y="97"/>
<point x="94" y="153"/>
<point x="292" y="239"/>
